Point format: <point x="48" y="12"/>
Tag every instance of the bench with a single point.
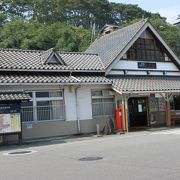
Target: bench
<point x="175" y="116"/>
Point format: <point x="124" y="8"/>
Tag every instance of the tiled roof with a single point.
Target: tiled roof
<point x="83" y="61"/>
<point x="32" y="60"/>
<point x="94" y="79"/>
<point x="14" y="96"/>
<point x="35" y="79"/>
<point x="110" y="45"/>
<point x="146" y="84"/>
<point x="47" y="55"/>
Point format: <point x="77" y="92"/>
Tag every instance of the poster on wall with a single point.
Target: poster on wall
<point x="10" y="120"/>
<point x="10" y="123"/>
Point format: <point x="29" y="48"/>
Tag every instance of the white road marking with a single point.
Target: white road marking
<point x="168" y="132"/>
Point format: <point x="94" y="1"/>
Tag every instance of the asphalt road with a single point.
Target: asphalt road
<point x="141" y="156"/>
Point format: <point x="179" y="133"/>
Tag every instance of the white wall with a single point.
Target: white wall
<point x="128" y="64"/>
<point x="84" y="108"/>
<point x="84" y="101"/>
<point x="70" y="104"/>
<point x="133" y="69"/>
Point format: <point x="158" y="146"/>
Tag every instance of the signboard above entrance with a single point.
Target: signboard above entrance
<point x="146" y="65"/>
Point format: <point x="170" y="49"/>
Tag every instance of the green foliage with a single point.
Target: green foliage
<point x="169" y="32"/>
<point x="67" y="24"/>
<point x="123" y="13"/>
<point x="35" y="35"/>
<point x="72" y="38"/>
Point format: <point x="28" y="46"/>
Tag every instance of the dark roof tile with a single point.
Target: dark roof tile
<point x="110" y="45"/>
<point x="14" y="96"/>
<point x="35" y="79"/>
<point x="146" y="84"/>
<point x="32" y="60"/>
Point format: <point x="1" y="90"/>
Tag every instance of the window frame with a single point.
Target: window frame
<point x="36" y="99"/>
<point x="102" y="103"/>
<point x="151" y="51"/>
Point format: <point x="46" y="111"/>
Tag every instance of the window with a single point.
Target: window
<point x="102" y="103"/>
<point x="45" y="105"/>
<point x="147" y="49"/>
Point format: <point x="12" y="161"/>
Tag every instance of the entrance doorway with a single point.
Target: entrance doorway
<point x="138" y="109"/>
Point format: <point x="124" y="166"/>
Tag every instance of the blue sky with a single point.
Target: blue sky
<point x="167" y="8"/>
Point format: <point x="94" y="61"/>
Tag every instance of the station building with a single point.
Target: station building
<point x="69" y="93"/>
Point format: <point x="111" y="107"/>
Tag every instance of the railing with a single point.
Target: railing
<point x="103" y="109"/>
<point x="42" y="113"/>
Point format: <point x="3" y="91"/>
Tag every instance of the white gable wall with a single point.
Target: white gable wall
<point x="128" y="64"/>
<point x="121" y="65"/>
<point x="131" y="66"/>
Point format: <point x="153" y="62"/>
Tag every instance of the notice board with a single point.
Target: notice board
<point x="10" y="119"/>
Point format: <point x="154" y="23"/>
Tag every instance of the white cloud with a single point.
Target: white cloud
<point x="171" y="13"/>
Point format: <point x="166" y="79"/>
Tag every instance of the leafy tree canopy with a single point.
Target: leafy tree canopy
<point x="67" y="24"/>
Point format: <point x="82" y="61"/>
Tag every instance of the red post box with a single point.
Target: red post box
<point x="119" y="124"/>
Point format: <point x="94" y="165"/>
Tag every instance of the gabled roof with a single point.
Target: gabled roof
<point x="51" y="56"/>
<point x="111" y="47"/>
<point x="32" y="60"/>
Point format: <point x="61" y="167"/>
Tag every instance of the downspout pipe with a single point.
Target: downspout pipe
<point x="77" y="110"/>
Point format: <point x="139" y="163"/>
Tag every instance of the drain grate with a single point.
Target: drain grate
<point x="94" y="158"/>
<point x="19" y="152"/>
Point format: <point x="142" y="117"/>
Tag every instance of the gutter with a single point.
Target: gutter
<point x="119" y="92"/>
<point x="51" y="70"/>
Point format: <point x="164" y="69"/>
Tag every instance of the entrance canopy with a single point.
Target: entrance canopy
<point x="135" y="84"/>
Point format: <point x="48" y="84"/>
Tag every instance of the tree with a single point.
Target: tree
<point x="123" y="13"/>
<point x="169" y="32"/>
<point x="67" y="24"/>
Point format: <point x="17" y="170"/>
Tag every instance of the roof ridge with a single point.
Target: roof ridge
<point x="84" y="53"/>
<point x="20" y="50"/>
<point x="43" y="51"/>
<point x="114" y="32"/>
<point x="141" y="21"/>
<point x="129" y="26"/>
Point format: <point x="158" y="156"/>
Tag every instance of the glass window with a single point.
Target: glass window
<point x="97" y="93"/>
<point x="146" y="50"/>
<point x="104" y="105"/>
<point x="27" y="111"/>
<point x="43" y="110"/>
<point x="42" y="94"/>
<point x="55" y="94"/>
<point x="44" y="106"/>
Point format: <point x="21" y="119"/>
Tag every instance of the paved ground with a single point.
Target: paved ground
<point x="143" y="156"/>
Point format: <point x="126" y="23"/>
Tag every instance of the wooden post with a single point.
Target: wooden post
<point x="126" y="115"/>
<point x="148" y="111"/>
<point x="168" y="114"/>
<point x="167" y="97"/>
<point x="123" y="116"/>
